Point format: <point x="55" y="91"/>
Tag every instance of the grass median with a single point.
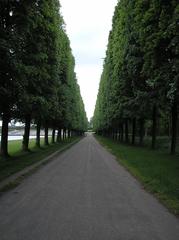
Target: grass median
<point x="20" y="160"/>
<point x="157" y="170"/>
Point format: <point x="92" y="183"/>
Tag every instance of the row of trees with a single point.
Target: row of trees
<point x="140" y="79"/>
<point x="37" y="79"/>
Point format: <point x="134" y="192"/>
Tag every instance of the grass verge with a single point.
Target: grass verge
<point x="19" y="160"/>
<point x="156" y="170"/>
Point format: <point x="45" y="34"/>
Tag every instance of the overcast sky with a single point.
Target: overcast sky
<point x="88" y="25"/>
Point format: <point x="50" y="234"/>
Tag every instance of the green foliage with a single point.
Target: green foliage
<point x="140" y="75"/>
<point x="37" y="78"/>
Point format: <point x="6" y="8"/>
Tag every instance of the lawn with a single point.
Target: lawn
<point x="19" y="159"/>
<point x="157" y="170"/>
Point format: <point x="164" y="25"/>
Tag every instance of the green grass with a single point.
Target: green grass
<point x="162" y="142"/>
<point x="157" y="170"/>
<point x="14" y="147"/>
<point x="20" y="160"/>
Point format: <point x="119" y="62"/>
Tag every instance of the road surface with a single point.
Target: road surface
<point x="84" y="194"/>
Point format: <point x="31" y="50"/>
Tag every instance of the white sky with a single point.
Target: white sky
<point x="88" y="25"/>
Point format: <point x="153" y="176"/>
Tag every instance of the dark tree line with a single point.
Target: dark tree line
<point x="140" y="79"/>
<point x="37" y="79"/>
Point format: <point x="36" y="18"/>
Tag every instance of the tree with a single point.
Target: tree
<point x="10" y="85"/>
<point x="139" y="82"/>
<point x="38" y="82"/>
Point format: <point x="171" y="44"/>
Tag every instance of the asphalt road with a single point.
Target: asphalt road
<point x="84" y="194"/>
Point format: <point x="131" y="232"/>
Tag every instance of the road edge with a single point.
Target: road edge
<point x="155" y="195"/>
<point x="15" y="179"/>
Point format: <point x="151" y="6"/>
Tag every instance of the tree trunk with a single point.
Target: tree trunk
<point x="122" y="132"/>
<point x="46" y="135"/>
<point x="119" y="134"/>
<point x="126" y="131"/>
<point x="38" y="133"/>
<point x="64" y="134"/>
<point x="113" y="134"/>
<point x="25" y="143"/>
<point x="53" y="135"/>
<point x="72" y="133"/>
<point x="169" y="127"/>
<point x="4" y="136"/>
<point x="141" y="131"/>
<point x="116" y="134"/>
<point x="59" y="135"/>
<point x="133" y="130"/>
<point x="154" y="126"/>
<point x="69" y="133"/>
<point x="174" y="127"/>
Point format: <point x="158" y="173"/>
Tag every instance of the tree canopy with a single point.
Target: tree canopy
<point x="140" y="79"/>
<point x="37" y="78"/>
